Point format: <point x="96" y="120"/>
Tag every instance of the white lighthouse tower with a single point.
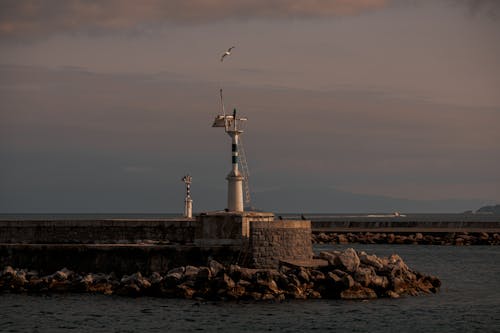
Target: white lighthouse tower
<point x="235" y="178"/>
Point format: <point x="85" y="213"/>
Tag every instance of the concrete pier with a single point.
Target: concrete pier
<point x="252" y="239"/>
<point x="102" y="231"/>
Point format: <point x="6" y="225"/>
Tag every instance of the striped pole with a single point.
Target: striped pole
<point x="235" y="179"/>
<point x="188" y="202"/>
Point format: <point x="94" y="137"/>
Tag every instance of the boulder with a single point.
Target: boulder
<point x="267" y="286"/>
<point x="379" y="282"/>
<point x="191" y="272"/>
<point x="358" y="293"/>
<point x="391" y="238"/>
<point x="397" y="263"/>
<point x="135" y="279"/>
<point x="177" y="270"/>
<point x="224" y="282"/>
<point x="313" y="294"/>
<point x="334" y="279"/>
<point x="316" y="275"/>
<point x="155" y="278"/>
<point x="204" y="275"/>
<point x="185" y="290"/>
<point x="8" y="272"/>
<point x="303" y="275"/>
<point x="267" y="297"/>
<point x="399" y="286"/>
<point x="253" y="295"/>
<point x="244" y="283"/>
<point x="342" y="239"/>
<point x="330" y="257"/>
<point x="174" y="277"/>
<point x="60" y="286"/>
<point x="340" y="272"/>
<point x="130" y="289"/>
<point x="349" y="260"/>
<point x="19" y="280"/>
<point x="392" y="294"/>
<point x="37" y="284"/>
<point x="364" y="276"/>
<point x="347" y="282"/>
<point x="237" y="292"/>
<point x="295" y="292"/>
<point x="62" y="274"/>
<point x="371" y="260"/>
<point x="322" y="237"/>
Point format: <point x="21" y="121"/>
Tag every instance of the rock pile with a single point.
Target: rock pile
<point x="453" y="238"/>
<point x="346" y="275"/>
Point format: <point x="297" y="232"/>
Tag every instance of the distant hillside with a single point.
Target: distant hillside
<point x="494" y="210"/>
<point x="329" y="200"/>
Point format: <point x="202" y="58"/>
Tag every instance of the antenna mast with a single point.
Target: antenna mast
<point x="236" y="178"/>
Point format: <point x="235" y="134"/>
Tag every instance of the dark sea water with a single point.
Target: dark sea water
<point x="469" y="301"/>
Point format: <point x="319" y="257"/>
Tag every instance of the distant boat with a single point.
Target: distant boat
<point x="395" y="214"/>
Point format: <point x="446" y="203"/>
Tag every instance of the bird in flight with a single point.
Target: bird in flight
<point x="228" y="52"/>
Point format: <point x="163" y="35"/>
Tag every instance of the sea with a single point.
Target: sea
<point x="469" y="301"/>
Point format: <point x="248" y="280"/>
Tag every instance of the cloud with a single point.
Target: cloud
<point x="31" y="19"/>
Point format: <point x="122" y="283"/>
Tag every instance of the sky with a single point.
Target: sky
<point x="369" y="105"/>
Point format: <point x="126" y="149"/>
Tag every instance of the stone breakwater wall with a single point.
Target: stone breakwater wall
<point x="106" y="231"/>
<point x="404" y="231"/>
<point x="271" y="241"/>
<point x="106" y="258"/>
<point x="127" y="246"/>
<point x="345" y="275"/>
<point x="425" y="238"/>
<point x="404" y="224"/>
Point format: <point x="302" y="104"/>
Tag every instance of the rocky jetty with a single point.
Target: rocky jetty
<point x="345" y="275"/>
<point x="452" y="238"/>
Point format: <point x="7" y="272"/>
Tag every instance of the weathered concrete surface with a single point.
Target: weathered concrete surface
<point x="227" y="227"/>
<point x="97" y="231"/>
<point x="107" y="258"/>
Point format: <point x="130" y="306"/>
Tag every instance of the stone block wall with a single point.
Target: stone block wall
<point x="227" y="228"/>
<point x="285" y="240"/>
<point x="106" y="258"/>
<point x="110" y="231"/>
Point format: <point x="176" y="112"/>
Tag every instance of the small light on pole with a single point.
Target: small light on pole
<point x="188" y="202"/>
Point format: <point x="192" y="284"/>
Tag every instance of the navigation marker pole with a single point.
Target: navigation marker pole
<point x="188" y="202"/>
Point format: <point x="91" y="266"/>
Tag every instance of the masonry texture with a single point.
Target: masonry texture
<point x="112" y="231"/>
<point x="106" y="258"/>
<point x="279" y="240"/>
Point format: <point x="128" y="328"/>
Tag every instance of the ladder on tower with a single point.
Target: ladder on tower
<point x="244" y="170"/>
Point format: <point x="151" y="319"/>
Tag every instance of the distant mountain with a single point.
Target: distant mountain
<point x="494" y="210"/>
<point x="329" y="200"/>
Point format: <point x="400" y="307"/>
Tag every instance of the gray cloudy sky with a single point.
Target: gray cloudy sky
<point x="104" y="105"/>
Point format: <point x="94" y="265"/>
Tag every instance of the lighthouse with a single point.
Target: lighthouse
<point x="235" y="179"/>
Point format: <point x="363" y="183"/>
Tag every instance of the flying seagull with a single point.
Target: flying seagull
<point x="228" y="52"/>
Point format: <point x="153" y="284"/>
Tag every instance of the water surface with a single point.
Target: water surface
<point x="468" y="302"/>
